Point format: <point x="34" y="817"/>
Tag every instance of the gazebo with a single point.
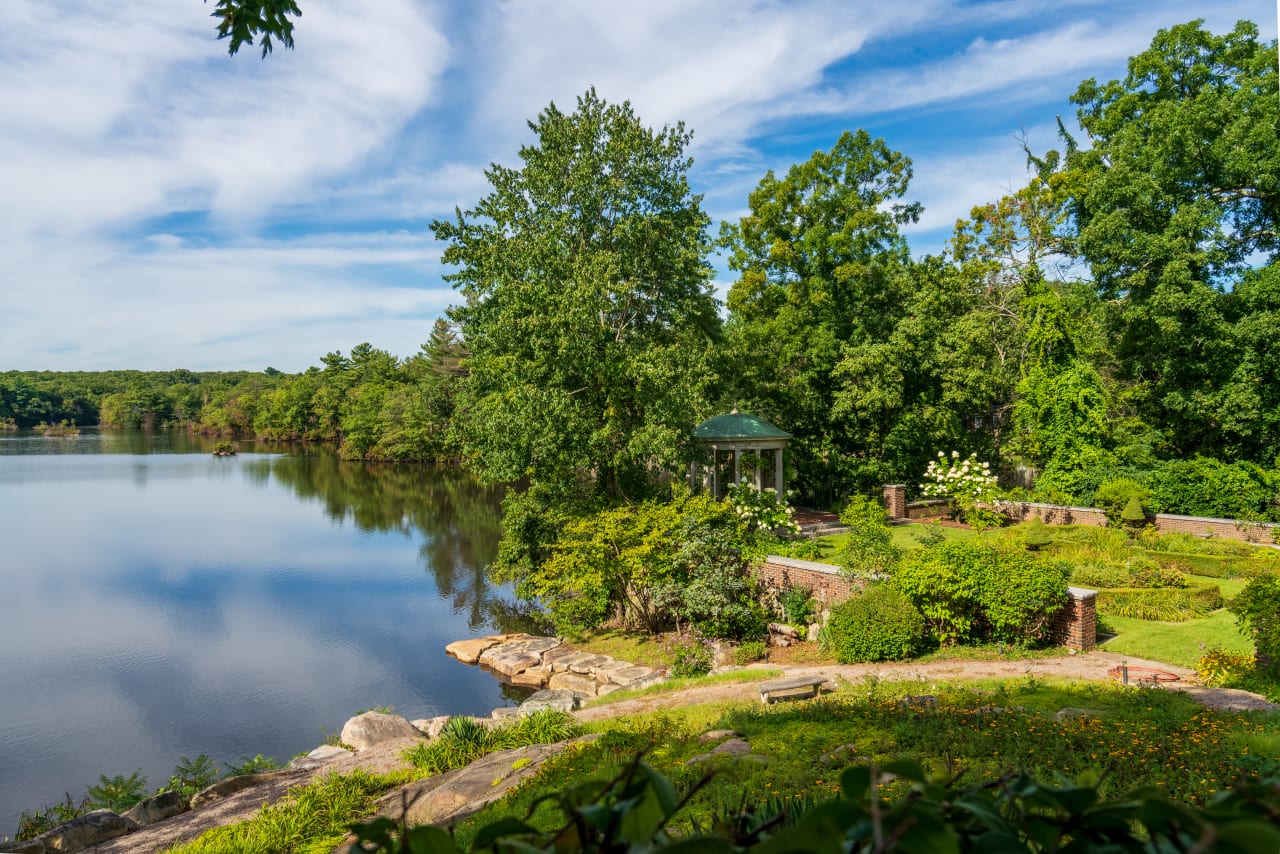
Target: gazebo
<point x="734" y="433"/>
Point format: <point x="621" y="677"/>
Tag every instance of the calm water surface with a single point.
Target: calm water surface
<point x="159" y="602"/>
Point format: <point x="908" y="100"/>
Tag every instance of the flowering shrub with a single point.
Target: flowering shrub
<point x="969" y="483"/>
<point x="762" y="511"/>
<point x="957" y="478"/>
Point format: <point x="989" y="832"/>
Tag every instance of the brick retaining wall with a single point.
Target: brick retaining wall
<point x="933" y="508"/>
<point x="828" y="585"/>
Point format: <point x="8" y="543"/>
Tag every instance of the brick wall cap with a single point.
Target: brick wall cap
<point x="1214" y="520"/>
<point x="1081" y="593"/>
<point x="803" y="564"/>
<point x="1057" y="507"/>
<point x="930" y="502"/>
<point x="895" y="486"/>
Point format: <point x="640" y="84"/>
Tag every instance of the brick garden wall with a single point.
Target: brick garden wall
<point x="1165" y="523"/>
<point x="933" y="508"/>
<point x="828" y="585"/>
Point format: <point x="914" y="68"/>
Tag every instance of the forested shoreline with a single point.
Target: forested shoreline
<point x="1116" y="317"/>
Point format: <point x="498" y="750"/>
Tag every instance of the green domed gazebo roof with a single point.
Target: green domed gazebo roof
<point x="737" y="425"/>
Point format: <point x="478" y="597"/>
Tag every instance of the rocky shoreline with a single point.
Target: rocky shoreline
<point x="564" y="676"/>
<point x="550" y="664"/>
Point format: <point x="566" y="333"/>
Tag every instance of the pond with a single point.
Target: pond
<point x="160" y="602"/>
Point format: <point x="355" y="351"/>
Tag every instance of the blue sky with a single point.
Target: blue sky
<point x="168" y="206"/>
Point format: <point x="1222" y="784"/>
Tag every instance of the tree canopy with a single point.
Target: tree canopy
<point x="587" y="306"/>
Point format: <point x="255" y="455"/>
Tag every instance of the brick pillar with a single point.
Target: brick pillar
<point x="895" y="500"/>
<point x="1076" y="625"/>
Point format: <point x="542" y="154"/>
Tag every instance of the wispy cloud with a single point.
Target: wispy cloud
<point x="165" y="205"/>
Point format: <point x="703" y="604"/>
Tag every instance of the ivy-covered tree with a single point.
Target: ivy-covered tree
<point x="587" y="309"/>
<point x="1175" y="196"/>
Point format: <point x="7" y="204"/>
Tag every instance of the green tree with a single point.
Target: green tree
<point x="820" y="259"/>
<point x="1176" y="194"/>
<point x="243" y="20"/>
<point x="588" y="310"/>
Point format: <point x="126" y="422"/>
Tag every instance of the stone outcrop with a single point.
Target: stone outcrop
<point x="27" y="846"/>
<point x="156" y="808"/>
<point x="549" y="698"/>
<point x="89" y="829"/>
<point x="365" y="730"/>
<point x="448" y="797"/>
<point x="229" y="786"/>
<point x="542" y="662"/>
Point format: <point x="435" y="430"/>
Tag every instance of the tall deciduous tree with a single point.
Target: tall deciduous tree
<point x="820" y="259"/>
<point x="1177" y="193"/>
<point x="588" y="309"/>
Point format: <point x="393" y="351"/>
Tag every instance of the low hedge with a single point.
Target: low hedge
<point x="1169" y="605"/>
<point x="1214" y="566"/>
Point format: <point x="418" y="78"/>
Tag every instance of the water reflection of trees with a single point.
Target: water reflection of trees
<point x="457" y="517"/>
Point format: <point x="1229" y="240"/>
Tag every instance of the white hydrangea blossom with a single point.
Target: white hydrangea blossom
<point x="955" y="477"/>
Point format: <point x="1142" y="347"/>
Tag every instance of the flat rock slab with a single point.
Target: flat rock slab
<point x="586" y="666"/>
<point x="468" y="651"/>
<point x="231" y="785"/>
<point x="584" y="685"/>
<point x="89" y="829"/>
<point x="628" y="676"/>
<point x="534" y="677"/>
<point x="562" y="663"/>
<point x="516" y="656"/>
<point x="448" y="797"/>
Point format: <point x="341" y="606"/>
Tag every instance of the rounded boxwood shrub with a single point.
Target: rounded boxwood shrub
<point x="882" y="624"/>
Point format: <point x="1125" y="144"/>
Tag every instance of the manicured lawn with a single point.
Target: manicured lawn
<point x="1174" y="643"/>
<point x="905" y="536"/>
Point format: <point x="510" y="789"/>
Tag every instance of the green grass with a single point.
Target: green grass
<point x="636" y="647"/>
<point x="904" y="536"/>
<point x="751" y="674"/>
<point x="1174" y="643"/>
<point x="311" y="819"/>
<point x="1139" y="737"/>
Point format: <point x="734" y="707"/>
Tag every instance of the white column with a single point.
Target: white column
<point x="777" y="471"/>
<point x="737" y="467"/>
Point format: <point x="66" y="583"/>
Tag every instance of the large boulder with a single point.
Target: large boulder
<point x="156" y="808"/>
<point x="89" y="829"/>
<point x="365" y="730"/>
<point x="26" y="846"/>
<point x="549" y="698"/>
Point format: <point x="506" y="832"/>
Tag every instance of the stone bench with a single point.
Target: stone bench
<point x="809" y="684"/>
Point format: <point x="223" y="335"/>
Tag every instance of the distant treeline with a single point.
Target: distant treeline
<point x="369" y="403"/>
